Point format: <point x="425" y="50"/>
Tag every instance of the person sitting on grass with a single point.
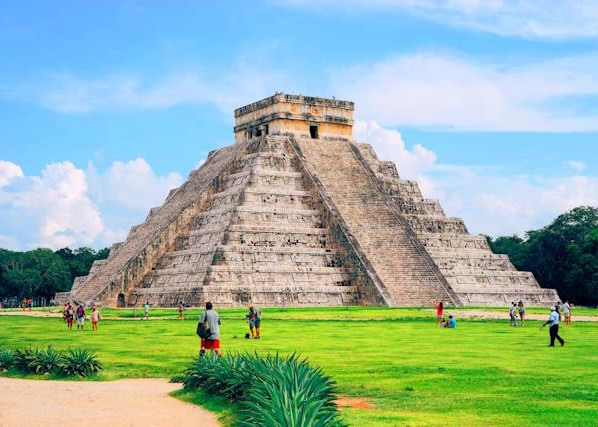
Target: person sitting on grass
<point x="444" y="323"/>
<point x="94" y="317"/>
<point x="80" y="317"/>
<point x="439" y="312"/>
<point x="209" y="321"/>
<point x="452" y="322"/>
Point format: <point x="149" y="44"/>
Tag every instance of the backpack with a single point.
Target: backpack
<point x="203" y="329"/>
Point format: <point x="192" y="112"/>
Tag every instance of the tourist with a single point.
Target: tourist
<point x="522" y="313"/>
<point x="30" y="303"/>
<point x="257" y="322"/>
<point x="251" y="320"/>
<point x="444" y="323"/>
<point x="452" y="323"/>
<point x="181" y="311"/>
<point x="567" y="312"/>
<point x="211" y="320"/>
<point x="94" y="317"/>
<point x="146" y="309"/>
<point x="559" y="308"/>
<point x="64" y="310"/>
<point x="70" y="316"/>
<point x="80" y="317"/>
<point x="512" y="315"/>
<point x="553" y="321"/>
<point x="439" y="312"/>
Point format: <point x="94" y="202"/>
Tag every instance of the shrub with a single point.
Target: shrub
<point x="6" y="359"/>
<point x="24" y="358"/>
<point x="292" y="393"/>
<point x="271" y="390"/>
<point x="80" y="361"/>
<point x="46" y="361"/>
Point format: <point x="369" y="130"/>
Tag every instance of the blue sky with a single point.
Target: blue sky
<point x="104" y="106"/>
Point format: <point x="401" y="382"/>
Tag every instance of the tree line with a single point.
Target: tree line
<point x="43" y="272"/>
<point x="563" y="255"/>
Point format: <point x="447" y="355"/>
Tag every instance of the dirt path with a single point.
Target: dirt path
<point x="132" y="402"/>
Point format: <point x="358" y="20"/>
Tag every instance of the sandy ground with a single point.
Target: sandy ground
<point x="132" y="402"/>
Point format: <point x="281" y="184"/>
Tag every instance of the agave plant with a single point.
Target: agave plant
<point x="46" y="361"/>
<point x="80" y="361"/>
<point x="24" y="358"/>
<point x="6" y="358"/>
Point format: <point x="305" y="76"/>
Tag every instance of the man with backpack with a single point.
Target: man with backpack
<point x="208" y="330"/>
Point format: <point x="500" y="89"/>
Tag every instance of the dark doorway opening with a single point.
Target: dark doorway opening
<point x="313" y="131"/>
<point x="120" y="300"/>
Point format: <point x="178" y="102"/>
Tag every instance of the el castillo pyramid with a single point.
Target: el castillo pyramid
<point x="296" y="213"/>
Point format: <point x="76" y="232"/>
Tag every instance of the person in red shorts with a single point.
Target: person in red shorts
<point x="439" y="312"/>
<point x="211" y="320"/>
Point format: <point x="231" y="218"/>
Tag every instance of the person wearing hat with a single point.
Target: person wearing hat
<point x="553" y="321"/>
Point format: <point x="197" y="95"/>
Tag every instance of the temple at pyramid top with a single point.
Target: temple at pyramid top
<point x="301" y="115"/>
<point x="296" y="213"/>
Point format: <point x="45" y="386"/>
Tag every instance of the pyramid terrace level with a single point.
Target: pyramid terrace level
<point x="296" y="213"/>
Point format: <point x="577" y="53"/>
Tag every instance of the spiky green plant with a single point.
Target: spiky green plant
<point x="289" y="392"/>
<point x="23" y="358"/>
<point x="271" y="390"/>
<point x="79" y="361"/>
<point x="6" y="358"/>
<point x="46" y="361"/>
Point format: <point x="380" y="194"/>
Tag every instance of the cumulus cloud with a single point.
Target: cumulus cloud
<point x="9" y="171"/>
<point x="389" y="145"/>
<point x="488" y="202"/>
<point x="69" y="206"/>
<point x="433" y="90"/>
<point x="132" y="185"/>
<point x="519" y="18"/>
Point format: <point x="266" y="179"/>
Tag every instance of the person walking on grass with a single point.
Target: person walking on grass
<point x="567" y="312"/>
<point x="522" y="313"/>
<point x="94" y="317"/>
<point x="208" y="330"/>
<point x="251" y="320"/>
<point x="80" y="317"/>
<point x="146" y="310"/>
<point x="439" y="312"/>
<point x="181" y="311"/>
<point x="257" y="322"/>
<point x="512" y="315"/>
<point x="553" y="321"/>
<point x="70" y="316"/>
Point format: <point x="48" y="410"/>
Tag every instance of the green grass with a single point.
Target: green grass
<point x="483" y="372"/>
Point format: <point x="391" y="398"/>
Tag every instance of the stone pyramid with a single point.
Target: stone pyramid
<point x="296" y="213"/>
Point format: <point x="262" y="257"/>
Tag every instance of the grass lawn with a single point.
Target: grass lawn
<point x="483" y="372"/>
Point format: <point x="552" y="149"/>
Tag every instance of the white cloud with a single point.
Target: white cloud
<point x="244" y="83"/>
<point x="559" y="19"/>
<point x="132" y="185"/>
<point x="68" y="206"/>
<point x="389" y="145"/>
<point x="488" y="202"/>
<point x="576" y="165"/>
<point x="9" y="171"/>
<point x="432" y="90"/>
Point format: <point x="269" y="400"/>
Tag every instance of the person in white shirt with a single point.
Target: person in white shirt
<point x="553" y="321"/>
<point x="567" y="312"/>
